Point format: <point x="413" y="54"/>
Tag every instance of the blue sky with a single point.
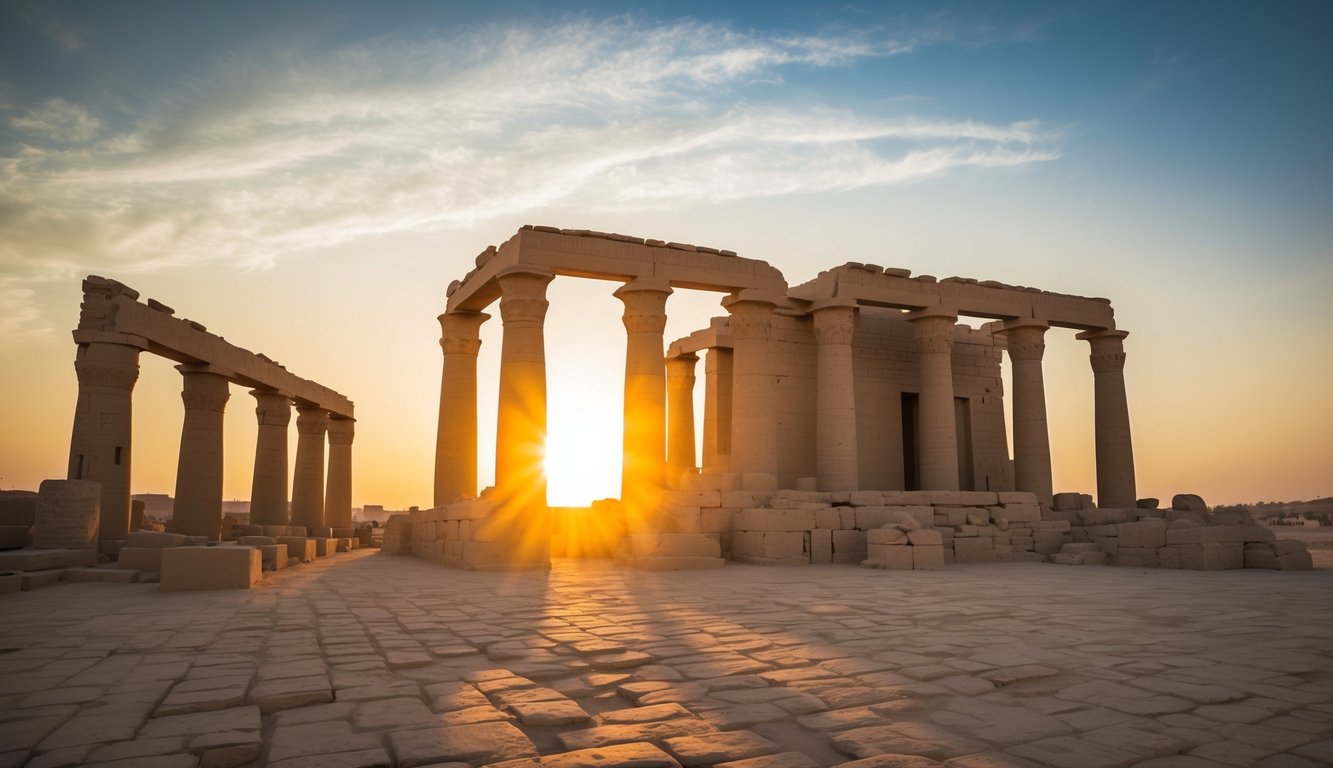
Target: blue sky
<point x="1174" y="156"/>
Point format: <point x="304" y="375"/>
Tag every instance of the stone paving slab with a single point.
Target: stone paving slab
<point x="368" y="660"/>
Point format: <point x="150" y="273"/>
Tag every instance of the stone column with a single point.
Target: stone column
<point x="937" y="452"/>
<point x="198" y="508"/>
<point x="643" y="466"/>
<point x="1115" y="451"/>
<point x="680" y="415"/>
<point x="754" y="422"/>
<point x="268" y="491"/>
<point x="338" y="492"/>
<point x="522" y="519"/>
<point x="717" y="410"/>
<point x="1025" y="340"/>
<point x="836" y="458"/>
<point x="99" y="445"/>
<point x="308" y="478"/>
<point x="456" y="433"/>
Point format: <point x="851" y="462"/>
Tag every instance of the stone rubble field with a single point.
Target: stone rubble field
<point x="373" y="660"/>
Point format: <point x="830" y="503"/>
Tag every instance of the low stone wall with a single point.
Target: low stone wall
<point x="456" y="535"/>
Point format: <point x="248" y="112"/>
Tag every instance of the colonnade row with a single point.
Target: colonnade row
<point x="837" y="454"/>
<point x="652" y="383"/>
<point x="100" y="449"/>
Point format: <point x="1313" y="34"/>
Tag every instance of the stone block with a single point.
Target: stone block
<point x="1211" y="556"/>
<point x="925" y="537"/>
<point x="99" y="575"/>
<point x="1295" y="561"/>
<point x="927" y="558"/>
<point x="978" y="498"/>
<point x="716" y="519"/>
<point x="1128" y="533"/>
<point x="10" y="582"/>
<point x="828" y="517"/>
<point x="973" y="550"/>
<point x="821" y="545"/>
<point x="889" y="557"/>
<point x="1139" y="557"/>
<point x="154" y="539"/>
<point x="68" y="514"/>
<point x="13" y="536"/>
<point x="1252" y="533"/>
<point x="1022" y="513"/>
<point x="300" y="547"/>
<point x="256" y="541"/>
<point x="1152" y="533"/>
<point x="674" y="545"/>
<point x="977" y="519"/>
<point x="953" y="516"/>
<point x="141" y="558"/>
<point x="45" y="559"/>
<point x="965" y="532"/>
<point x="324" y="547"/>
<point x="18" y="508"/>
<point x="273" y="556"/>
<point x="779" y="545"/>
<point x="1048" y="542"/>
<point x="1188" y="502"/>
<point x="1168" y="557"/>
<point x="849" y="546"/>
<point x="1147" y="502"/>
<point x="763" y="519"/>
<point x="760" y="482"/>
<point x="891" y="535"/>
<point x="203" y="568"/>
<point x="867" y="498"/>
<point x="1287" y="546"/>
<point x="1067" y="502"/>
<point x="297" y="530"/>
<point x="1260" y="556"/>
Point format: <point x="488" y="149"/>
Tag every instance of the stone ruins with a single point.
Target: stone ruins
<point x="847" y="419"/>
<point x="74" y="520"/>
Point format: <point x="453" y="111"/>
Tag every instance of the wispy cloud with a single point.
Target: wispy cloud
<point x="66" y="36"/>
<point x="282" y="150"/>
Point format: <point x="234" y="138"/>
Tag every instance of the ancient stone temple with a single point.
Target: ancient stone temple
<point x="114" y="329"/>
<point x="859" y="380"/>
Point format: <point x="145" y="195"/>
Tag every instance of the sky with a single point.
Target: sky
<point x="307" y="178"/>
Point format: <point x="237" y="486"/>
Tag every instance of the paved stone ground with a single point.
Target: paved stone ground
<point x="372" y="660"/>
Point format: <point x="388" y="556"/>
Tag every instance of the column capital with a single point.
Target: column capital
<point x="523" y="295"/>
<point x="203" y="388"/>
<point x="932" y="332"/>
<point x="645" y="304"/>
<point x="751" y="314"/>
<point x="1108" y="349"/>
<point x="1025" y="339"/>
<point x="101" y="364"/>
<point x="680" y="368"/>
<point x="311" y="419"/>
<point x="460" y="332"/>
<point x="273" y="408"/>
<point x="341" y="430"/>
<point x="835" y="323"/>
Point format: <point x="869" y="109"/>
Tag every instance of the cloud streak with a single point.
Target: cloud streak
<point x="280" y="150"/>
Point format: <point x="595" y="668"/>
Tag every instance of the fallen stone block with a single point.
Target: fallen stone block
<point x="1188" y="502"/>
<point x="1260" y="556"/>
<point x="299" y="547"/>
<point x="1287" y="546"/>
<point x="273" y="556"/>
<point x="888" y="535"/>
<point x="145" y="539"/>
<point x="10" y="581"/>
<point x="256" y="541"/>
<point x="140" y="558"/>
<point x="975" y="550"/>
<point x="1295" y="561"/>
<point x="204" y="568"/>
<point x="44" y="559"/>
<point x="1152" y="533"/>
<point x="35" y="579"/>
<point x="99" y="575"/>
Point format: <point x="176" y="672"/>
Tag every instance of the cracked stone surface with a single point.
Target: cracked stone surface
<point x="371" y="660"/>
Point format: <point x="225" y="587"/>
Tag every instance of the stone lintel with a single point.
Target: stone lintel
<point x="122" y="319"/>
<point x="589" y="255"/>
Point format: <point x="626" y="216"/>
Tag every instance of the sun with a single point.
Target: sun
<point x="583" y="448"/>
